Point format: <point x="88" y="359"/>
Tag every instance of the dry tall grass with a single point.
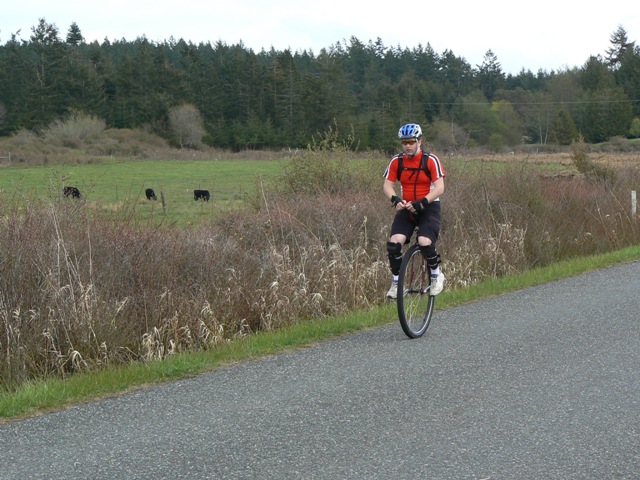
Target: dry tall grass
<point x="79" y="290"/>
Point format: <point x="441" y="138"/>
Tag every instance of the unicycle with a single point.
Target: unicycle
<point x="415" y="303"/>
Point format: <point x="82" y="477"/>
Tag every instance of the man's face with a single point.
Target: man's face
<point x="410" y="146"/>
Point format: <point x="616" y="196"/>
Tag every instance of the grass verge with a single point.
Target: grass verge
<point x="42" y="396"/>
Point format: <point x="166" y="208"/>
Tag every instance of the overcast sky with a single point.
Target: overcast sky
<point x="541" y="34"/>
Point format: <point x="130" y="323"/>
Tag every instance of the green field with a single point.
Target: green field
<point x="118" y="186"/>
<point x="112" y="185"/>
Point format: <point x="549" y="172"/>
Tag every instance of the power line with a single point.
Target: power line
<point x="576" y="102"/>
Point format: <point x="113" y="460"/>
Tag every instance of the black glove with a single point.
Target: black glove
<point x="395" y="200"/>
<point x="420" y="205"/>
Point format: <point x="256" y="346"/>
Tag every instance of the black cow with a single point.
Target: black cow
<point x="72" y="192"/>
<point x="150" y="194"/>
<point x="201" y="195"/>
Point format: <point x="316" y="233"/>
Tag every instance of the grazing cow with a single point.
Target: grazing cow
<point x="201" y="195"/>
<point x="150" y="194"/>
<point x="71" y="192"/>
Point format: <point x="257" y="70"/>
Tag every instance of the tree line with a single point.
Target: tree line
<point x="243" y="99"/>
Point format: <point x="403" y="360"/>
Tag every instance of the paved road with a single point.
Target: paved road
<point x="539" y="384"/>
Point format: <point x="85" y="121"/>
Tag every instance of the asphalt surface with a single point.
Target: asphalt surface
<point x="539" y="384"/>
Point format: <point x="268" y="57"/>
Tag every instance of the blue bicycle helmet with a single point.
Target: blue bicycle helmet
<point x="410" y="130"/>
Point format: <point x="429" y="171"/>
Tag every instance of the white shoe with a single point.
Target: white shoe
<point x="437" y="284"/>
<point x="393" y="291"/>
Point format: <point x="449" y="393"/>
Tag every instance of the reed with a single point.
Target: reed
<point x="81" y="289"/>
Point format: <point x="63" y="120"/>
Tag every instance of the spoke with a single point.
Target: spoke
<point x="415" y="305"/>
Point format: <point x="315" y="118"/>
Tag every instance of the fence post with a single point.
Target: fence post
<point x="634" y="203"/>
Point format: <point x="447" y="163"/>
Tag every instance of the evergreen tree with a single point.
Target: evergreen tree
<point x="606" y="113"/>
<point x="564" y="95"/>
<point x="15" y="68"/>
<point x="628" y="77"/>
<point x="619" y="45"/>
<point x="563" y="130"/>
<point x="457" y="73"/>
<point x="81" y="84"/>
<point x="74" y="36"/>
<point x="490" y="77"/>
<point x="281" y="98"/>
<point x="44" y="98"/>
<point x="595" y="75"/>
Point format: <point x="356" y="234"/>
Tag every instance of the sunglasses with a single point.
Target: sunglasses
<point x="408" y="142"/>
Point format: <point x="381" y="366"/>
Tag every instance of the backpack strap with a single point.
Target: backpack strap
<point x="424" y="164"/>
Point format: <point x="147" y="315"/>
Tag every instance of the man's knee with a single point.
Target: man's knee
<point x="431" y="255"/>
<point x="394" y="250"/>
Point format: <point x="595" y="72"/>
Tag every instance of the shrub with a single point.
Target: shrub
<point x="23" y="138"/>
<point x="74" y="130"/>
<point x="634" y="130"/>
<point x="580" y="157"/>
<point x="323" y="167"/>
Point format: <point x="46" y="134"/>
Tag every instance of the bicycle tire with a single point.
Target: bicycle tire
<point x="415" y="304"/>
